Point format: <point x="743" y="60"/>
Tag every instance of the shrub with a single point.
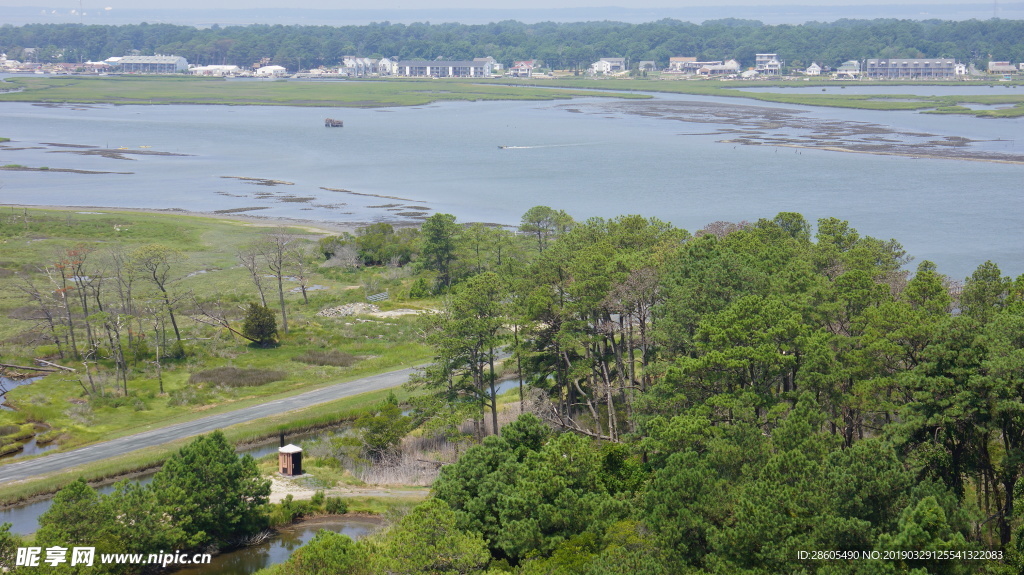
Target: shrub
<point x="335" y="506"/>
<point x="188" y="396"/>
<point x="288" y="510"/>
<point x="237" y="377"/>
<point x="330" y="357"/>
<point x="420" y="289"/>
<point x="317" y="500"/>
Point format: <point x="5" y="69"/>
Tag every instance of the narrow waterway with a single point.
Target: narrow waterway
<point x="278" y="549"/>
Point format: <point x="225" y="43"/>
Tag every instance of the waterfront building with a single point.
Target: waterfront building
<point x="355" y="66"/>
<point x="271" y="71"/>
<point x="608" y="66"/>
<point x="768" y="64"/>
<point x="444" y="69"/>
<point x="152" y="64"/>
<point x="495" y="65"/>
<point x="1001" y="68"/>
<point x="728" y="68"/>
<point x="850" y="70"/>
<point x="910" y="68"/>
<point x="682" y="64"/>
<point x="691" y="65"/>
<point x="813" y="70"/>
<point x="522" y="69"/>
<point x="215" y="70"/>
<point x="387" y="67"/>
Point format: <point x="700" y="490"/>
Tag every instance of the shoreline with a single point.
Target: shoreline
<point x="314" y="226"/>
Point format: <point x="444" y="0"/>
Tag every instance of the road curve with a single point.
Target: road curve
<point x="122" y="445"/>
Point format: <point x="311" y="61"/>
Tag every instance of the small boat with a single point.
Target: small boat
<point x="332" y="123"/>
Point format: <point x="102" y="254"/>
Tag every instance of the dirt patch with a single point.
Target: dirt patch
<point x="398" y="312"/>
<point x="281" y="487"/>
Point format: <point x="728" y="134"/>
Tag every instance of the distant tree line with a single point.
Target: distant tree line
<point x="557" y="45"/>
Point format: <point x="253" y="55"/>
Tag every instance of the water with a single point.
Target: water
<point x="7" y="384"/>
<point x="30" y="448"/>
<point x="591" y="157"/>
<point x="277" y="550"/>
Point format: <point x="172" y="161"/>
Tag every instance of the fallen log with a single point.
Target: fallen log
<point x="44" y="362"/>
<point x="12" y="366"/>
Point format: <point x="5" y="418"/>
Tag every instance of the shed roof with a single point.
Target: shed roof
<point x="290" y="449"/>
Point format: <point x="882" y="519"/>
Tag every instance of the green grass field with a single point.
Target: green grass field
<point x="416" y="92"/>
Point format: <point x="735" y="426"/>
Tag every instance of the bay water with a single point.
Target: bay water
<point x="491" y="161"/>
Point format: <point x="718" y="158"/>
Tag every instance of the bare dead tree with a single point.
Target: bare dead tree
<point x="299" y="259"/>
<point x="44" y="303"/>
<point x="250" y="256"/>
<point x="155" y="262"/>
<point x="274" y="248"/>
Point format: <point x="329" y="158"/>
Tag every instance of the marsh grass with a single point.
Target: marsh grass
<point x="354" y="93"/>
<point x="237" y="377"/>
<point x="332" y="357"/>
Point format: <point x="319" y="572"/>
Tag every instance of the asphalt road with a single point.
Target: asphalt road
<point x="122" y="445"/>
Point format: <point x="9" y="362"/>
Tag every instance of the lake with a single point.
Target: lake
<point x="590" y="157"/>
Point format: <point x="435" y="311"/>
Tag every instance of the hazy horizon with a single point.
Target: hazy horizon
<point x="228" y="12"/>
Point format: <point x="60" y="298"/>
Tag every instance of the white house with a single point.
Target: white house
<point x="354" y="66"/>
<point x="522" y="69"/>
<point x="850" y="69"/>
<point x="813" y="70"/>
<point x="768" y="64"/>
<point x="387" y="67"/>
<point x="269" y="71"/>
<point x="726" y="69"/>
<point x="444" y="68"/>
<point x="152" y="64"/>
<point x="495" y="65"/>
<point x="682" y="64"/>
<point x="608" y="65"/>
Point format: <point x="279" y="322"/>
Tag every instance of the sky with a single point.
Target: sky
<point x="204" y="13"/>
<point x="89" y="5"/>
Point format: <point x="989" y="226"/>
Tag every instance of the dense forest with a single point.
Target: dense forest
<point x="558" y="46"/>
<point x="720" y="402"/>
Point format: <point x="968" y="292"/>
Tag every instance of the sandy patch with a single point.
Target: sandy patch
<point x="398" y="312"/>
<point x="281" y="487"/>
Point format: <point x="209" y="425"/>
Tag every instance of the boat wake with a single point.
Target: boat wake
<point x="535" y="147"/>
